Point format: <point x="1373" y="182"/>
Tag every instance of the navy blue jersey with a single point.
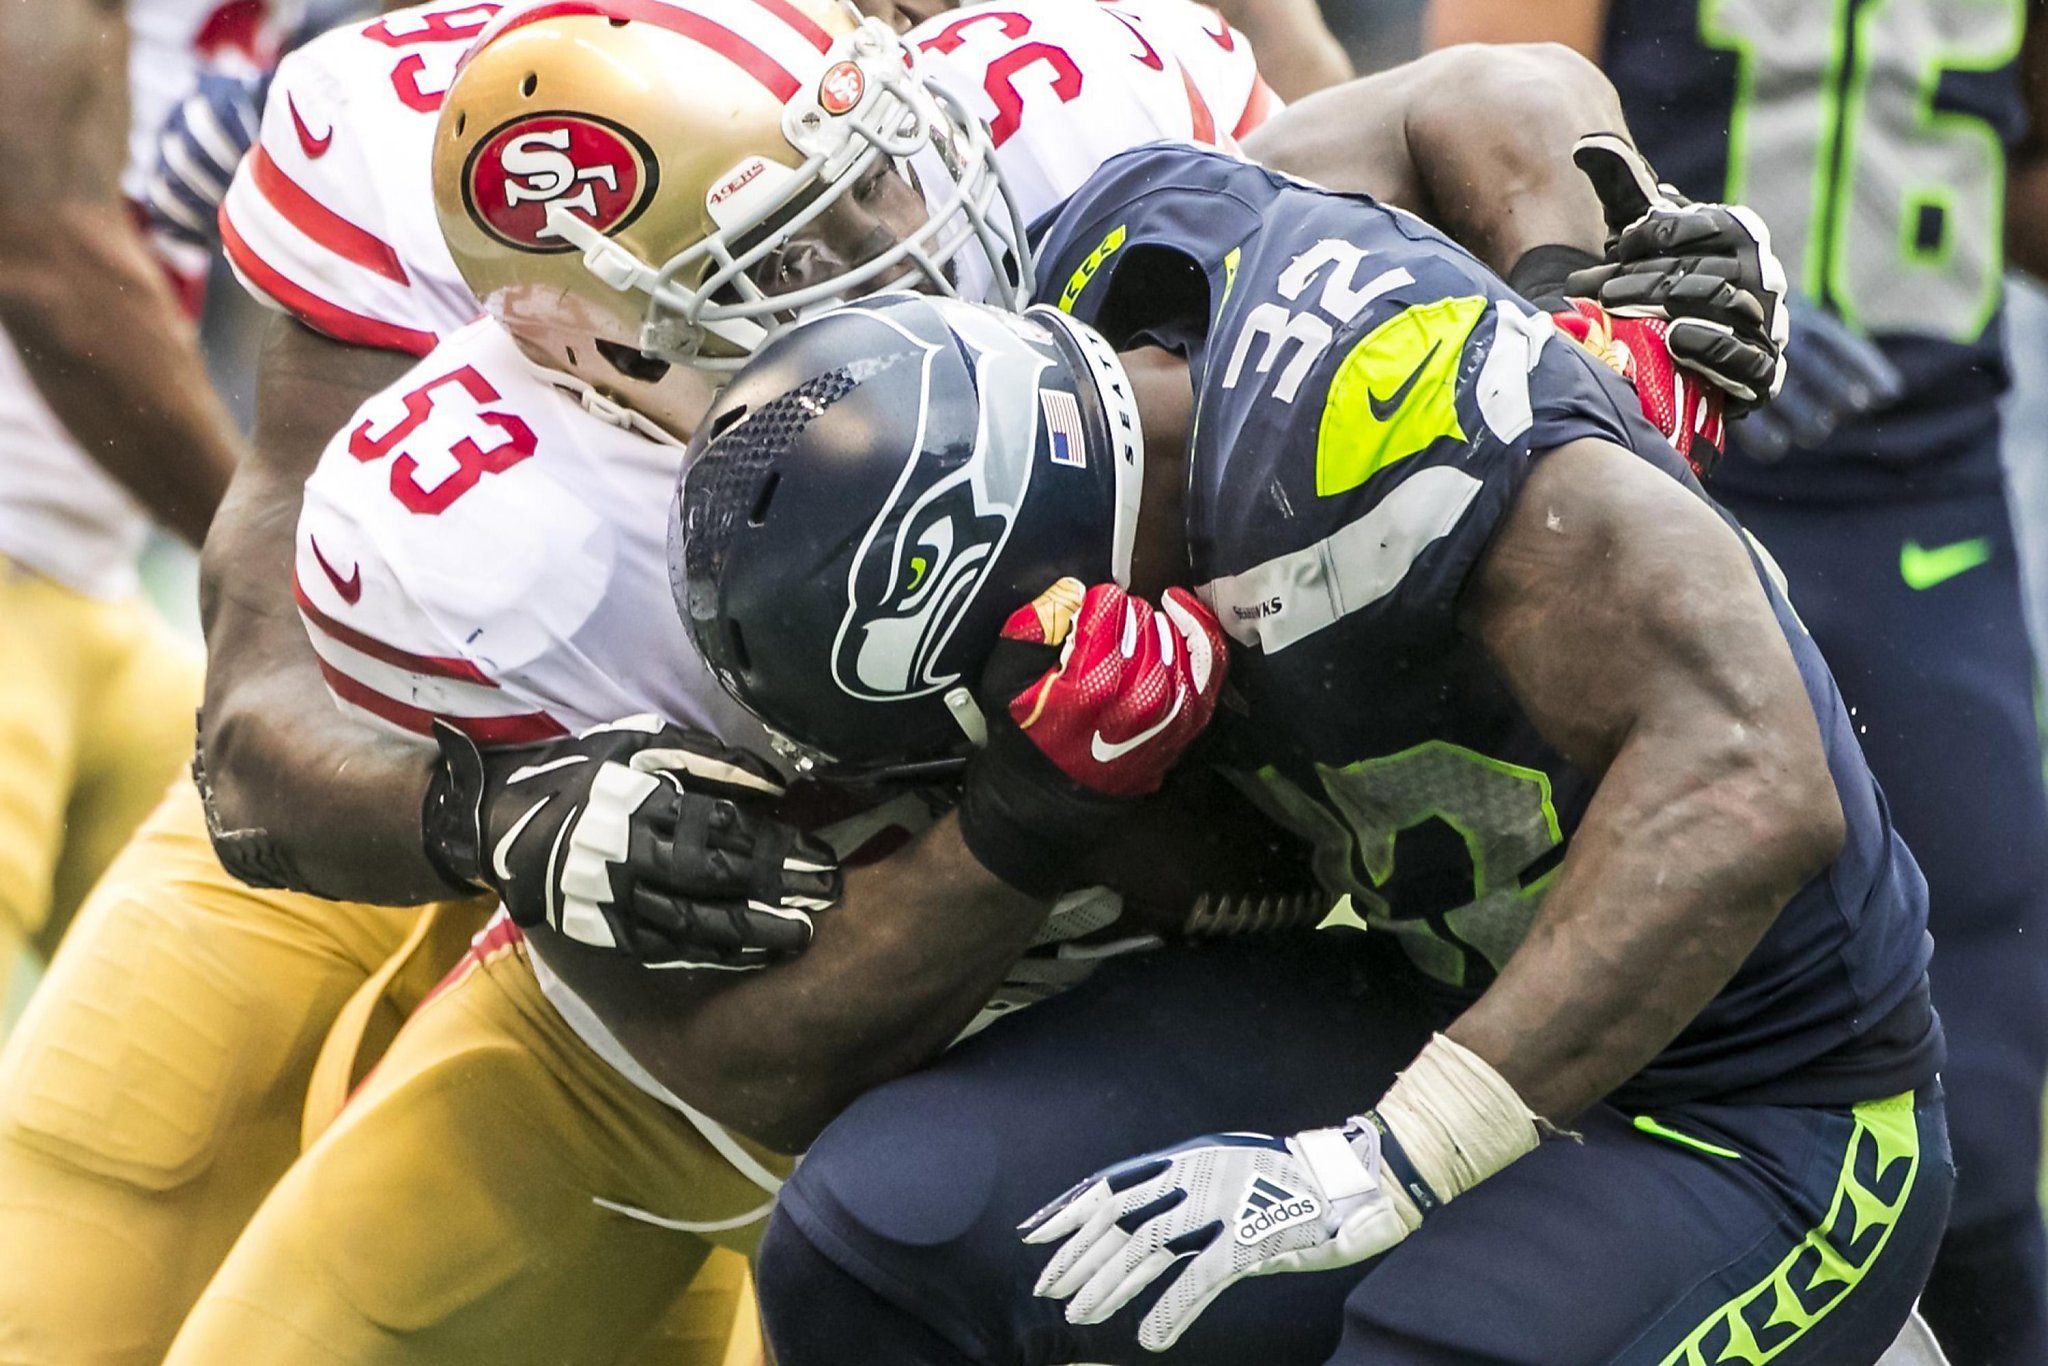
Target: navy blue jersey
<point x="1872" y="136"/>
<point x="1368" y="401"/>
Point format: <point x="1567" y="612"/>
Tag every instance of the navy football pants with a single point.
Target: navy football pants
<point x="1940" y="683"/>
<point x="895" y="1243"/>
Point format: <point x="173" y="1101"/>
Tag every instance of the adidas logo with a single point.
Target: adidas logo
<point x="1270" y="1207"/>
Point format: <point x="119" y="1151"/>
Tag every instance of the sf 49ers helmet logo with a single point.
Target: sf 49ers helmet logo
<point x="840" y="89"/>
<point x="600" y="171"/>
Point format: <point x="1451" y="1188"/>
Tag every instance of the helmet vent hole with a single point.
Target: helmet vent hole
<point x="739" y="647"/>
<point x="461" y="122"/>
<point x="763" y="498"/>
<point x="727" y="420"/>
<point x="631" y="363"/>
<point x="617" y="23"/>
<point x="529" y="85"/>
<point x="570" y="352"/>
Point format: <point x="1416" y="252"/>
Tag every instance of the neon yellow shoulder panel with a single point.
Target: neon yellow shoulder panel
<point x="1395" y="393"/>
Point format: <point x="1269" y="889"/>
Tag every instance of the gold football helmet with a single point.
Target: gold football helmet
<point x="613" y="177"/>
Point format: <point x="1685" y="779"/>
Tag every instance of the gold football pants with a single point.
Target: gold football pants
<point x="96" y="704"/>
<point x="152" y="1093"/>
<point x="493" y="1194"/>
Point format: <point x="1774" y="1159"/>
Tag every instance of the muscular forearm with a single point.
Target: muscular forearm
<point x="898" y="967"/>
<point x="1672" y="879"/>
<point x="333" y="804"/>
<point x="1578" y="24"/>
<point x="1630" y="625"/>
<point x="1476" y="139"/>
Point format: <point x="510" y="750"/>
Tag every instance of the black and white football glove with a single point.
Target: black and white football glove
<point x="649" y="840"/>
<point x="1706" y="268"/>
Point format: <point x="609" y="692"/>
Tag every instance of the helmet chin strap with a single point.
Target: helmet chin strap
<point x="967" y="715"/>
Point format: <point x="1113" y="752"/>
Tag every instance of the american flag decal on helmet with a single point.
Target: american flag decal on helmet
<point x="1063" y="428"/>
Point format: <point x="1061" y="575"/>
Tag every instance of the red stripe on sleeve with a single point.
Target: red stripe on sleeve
<point x="527" y="728"/>
<point x="1198" y="110"/>
<point x="321" y="223"/>
<point x="436" y="666"/>
<point x="698" y="29"/>
<point x="1258" y="107"/>
<point x="314" y="311"/>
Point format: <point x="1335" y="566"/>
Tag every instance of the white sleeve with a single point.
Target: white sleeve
<point x="330" y="216"/>
<point x="1218" y="61"/>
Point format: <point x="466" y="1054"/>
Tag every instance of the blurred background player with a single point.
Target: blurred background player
<point x="1891" y="147"/>
<point x="155" y="1087"/>
<point x="108" y="423"/>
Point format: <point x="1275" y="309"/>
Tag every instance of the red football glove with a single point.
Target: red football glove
<point x="1090" y="736"/>
<point x="1682" y="405"/>
<point x="1134" y="686"/>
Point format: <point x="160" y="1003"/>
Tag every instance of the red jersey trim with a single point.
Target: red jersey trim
<point x="698" y="29"/>
<point x="1198" y="110"/>
<point x="1258" y="107"/>
<point x="321" y="223"/>
<point x="526" y="728"/>
<point x="318" y="314"/>
<point x="436" y="666"/>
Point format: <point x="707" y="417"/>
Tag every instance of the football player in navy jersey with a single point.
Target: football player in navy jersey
<point x="1894" y="147"/>
<point x="1545" y="714"/>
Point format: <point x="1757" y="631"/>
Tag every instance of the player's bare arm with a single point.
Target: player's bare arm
<point x="87" y="308"/>
<point x="1297" y="52"/>
<point x="1577" y="23"/>
<point x="1627" y="619"/>
<point x="2026" y="187"/>
<point x="270" y="734"/>
<point x="913" y="949"/>
<point x="1475" y="139"/>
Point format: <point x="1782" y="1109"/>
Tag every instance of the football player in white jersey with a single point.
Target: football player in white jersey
<point x="451" y="441"/>
<point x="107" y="423"/>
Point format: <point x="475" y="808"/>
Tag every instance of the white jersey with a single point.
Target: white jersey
<point x="476" y="546"/>
<point x="1077" y="81"/>
<point x="60" y="513"/>
<point x="331" y="215"/>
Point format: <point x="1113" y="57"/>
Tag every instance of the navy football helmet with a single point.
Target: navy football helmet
<point x="875" y="493"/>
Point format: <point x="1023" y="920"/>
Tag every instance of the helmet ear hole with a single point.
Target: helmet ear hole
<point x="461" y="121"/>
<point x="631" y="363"/>
<point x="529" y="85"/>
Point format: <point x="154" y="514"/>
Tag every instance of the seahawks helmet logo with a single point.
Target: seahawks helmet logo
<point x="926" y="555"/>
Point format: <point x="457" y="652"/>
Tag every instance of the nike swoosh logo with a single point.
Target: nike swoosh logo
<point x="313" y="147"/>
<point x="1923" y="567"/>
<point x="1383" y="409"/>
<point x="350" y="588"/>
<point x="1108" y="751"/>
<point x="504" y="845"/>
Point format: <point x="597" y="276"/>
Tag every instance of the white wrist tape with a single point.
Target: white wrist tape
<point x="1456" y="1118"/>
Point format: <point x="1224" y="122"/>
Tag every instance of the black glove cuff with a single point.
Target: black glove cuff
<point x="451" y="814"/>
<point x="1028" y="823"/>
<point x="1540" y="274"/>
